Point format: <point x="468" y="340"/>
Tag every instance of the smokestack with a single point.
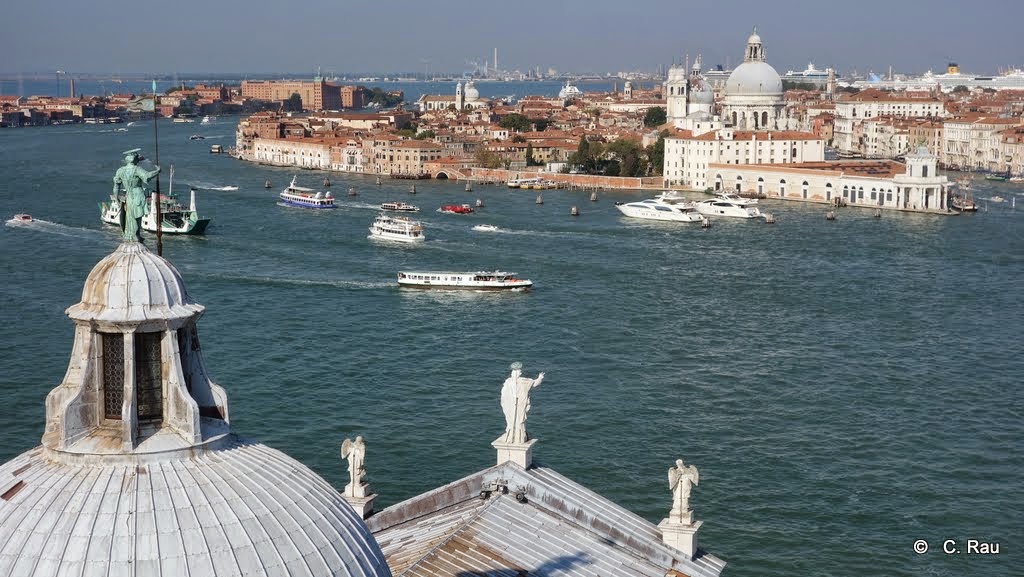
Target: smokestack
<point x="495" y="59"/>
<point x="72" y="87"/>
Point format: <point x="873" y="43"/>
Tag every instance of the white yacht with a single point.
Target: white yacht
<point x="724" y="207"/>
<point x="661" y="209"/>
<point x="735" y="198"/>
<point x="396" y="228"/>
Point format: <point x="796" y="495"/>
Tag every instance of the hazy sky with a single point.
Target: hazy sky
<point x="342" y="36"/>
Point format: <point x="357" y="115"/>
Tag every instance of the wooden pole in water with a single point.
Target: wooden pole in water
<point x="156" y="160"/>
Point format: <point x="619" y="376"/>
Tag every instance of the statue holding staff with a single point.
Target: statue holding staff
<point x="133" y="180"/>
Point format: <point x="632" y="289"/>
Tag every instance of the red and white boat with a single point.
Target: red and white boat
<point x="456" y="208"/>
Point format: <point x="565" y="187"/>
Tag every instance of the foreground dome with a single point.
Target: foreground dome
<point x="243" y="509"/>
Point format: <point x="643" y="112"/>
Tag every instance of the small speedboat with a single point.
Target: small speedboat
<point x="197" y="137"/>
<point x="22" y="217"/>
<point x="486" y="228"/>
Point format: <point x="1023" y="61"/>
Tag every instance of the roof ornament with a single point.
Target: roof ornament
<point x="679" y="530"/>
<point x="515" y="443"/>
<point x="357" y="492"/>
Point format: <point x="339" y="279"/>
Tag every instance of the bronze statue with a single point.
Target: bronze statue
<point x="133" y="180"/>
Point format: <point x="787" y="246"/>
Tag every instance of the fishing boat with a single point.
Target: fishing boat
<point x="175" y="217"/>
<point x="480" y="280"/>
<point x="294" y="195"/>
<point x="21" y="217"/>
<point x="396" y="228"/>
<point x="961" y="199"/>
<point x="399" y="207"/>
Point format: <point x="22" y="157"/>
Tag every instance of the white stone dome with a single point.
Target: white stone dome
<point x="753" y="78"/>
<point x="471" y="93"/>
<point x="133" y="285"/>
<point x="701" y="93"/>
<point x="754" y="38"/>
<point x="242" y="509"/>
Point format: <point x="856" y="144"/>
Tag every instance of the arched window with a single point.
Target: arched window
<point x="874" y="194"/>
<point x="760" y="186"/>
<point x="734" y="119"/>
<point x="860" y="193"/>
<point x="739" y="183"/>
<point x="803" y="189"/>
<point x="782" y="187"/>
<point x="828" y="191"/>
<point x="846" y="191"/>
<point x="924" y="171"/>
<point x="764" y="119"/>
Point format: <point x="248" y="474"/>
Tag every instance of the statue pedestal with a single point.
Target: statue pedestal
<point x="362" y="505"/>
<point x="681" y="536"/>
<point x="519" y="453"/>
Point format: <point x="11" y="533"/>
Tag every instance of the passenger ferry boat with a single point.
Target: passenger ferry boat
<point x="399" y="207"/>
<point x="524" y="182"/>
<point x="480" y="280"/>
<point x="304" y="197"/>
<point x="396" y="228"/>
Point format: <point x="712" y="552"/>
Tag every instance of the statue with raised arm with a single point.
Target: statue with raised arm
<point x="515" y="403"/>
<point x="132" y="180"/>
<point x="354" y="451"/>
<point x="680" y="480"/>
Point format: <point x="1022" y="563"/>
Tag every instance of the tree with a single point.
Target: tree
<point x="655" y="116"/>
<point x="486" y="159"/>
<point x="293" y="103"/>
<point x="529" y="155"/>
<point x="425" y="135"/>
<point x="656" y="153"/>
<point x="628" y="158"/>
<point x="960" y="89"/>
<point x="516" y="122"/>
<point x="518" y="138"/>
<point x="540" y="125"/>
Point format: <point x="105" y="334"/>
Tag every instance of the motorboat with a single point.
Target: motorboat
<point x="996" y="198"/>
<point x="486" y="228"/>
<point x="456" y="208"/>
<point x="216" y="149"/>
<point x="396" y="228"/>
<point x="175" y="217"/>
<point x="399" y="207"/>
<point x="197" y="137"/>
<point x="722" y="207"/>
<point x="659" y="209"/>
<point x="22" y="217"/>
<point x="480" y="280"/>
<point x="301" y="196"/>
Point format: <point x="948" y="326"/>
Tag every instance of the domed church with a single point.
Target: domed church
<point x="139" y="473"/>
<point x="753" y="93"/>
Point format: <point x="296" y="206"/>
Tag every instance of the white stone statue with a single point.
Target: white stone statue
<point x="354" y="451"/>
<point x="515" y="403"/>
<point x="680" y="480"/>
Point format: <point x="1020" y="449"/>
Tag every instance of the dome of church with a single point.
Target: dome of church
<point x="133" y="285"/>
<point x="471" y="92"/>
<point x="245" y="509"/>
<point x="753" y="78"/>
<point x="701" y="93"/>
<point x="754" y="38"/>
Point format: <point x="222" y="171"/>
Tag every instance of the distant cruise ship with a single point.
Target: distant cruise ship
<point x="810" y="75"/>
<point x="1010" y="80"/>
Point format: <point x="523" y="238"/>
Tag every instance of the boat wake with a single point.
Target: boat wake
<point x="59" y="229"/>
<point x="270" y="280"/>
<point x="207" y="186"/>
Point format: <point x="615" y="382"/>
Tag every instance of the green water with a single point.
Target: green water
<point x="844" y="387"/>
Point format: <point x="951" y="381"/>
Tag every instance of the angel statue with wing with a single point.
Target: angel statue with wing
<point x="680" y="480"/>
<point x="354" y="451"/>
